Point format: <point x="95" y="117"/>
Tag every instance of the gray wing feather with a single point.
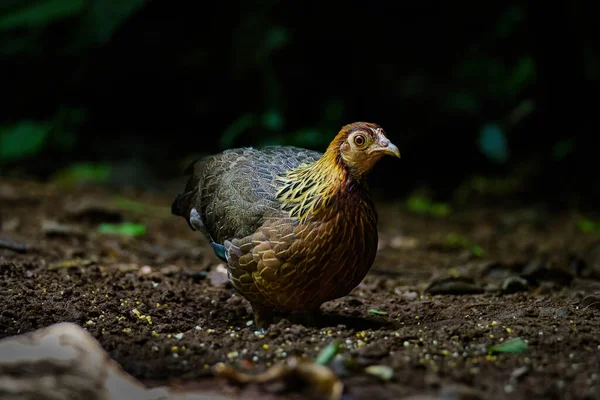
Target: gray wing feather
<point x="233" y="190"/>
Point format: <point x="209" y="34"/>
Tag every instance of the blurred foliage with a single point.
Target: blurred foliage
<point x="26" y="138"/>
<point x="122" y="229"/>
<point x="512" y="345"/>
<point x="22" y="139"/>
<point x="419" y="204"/>
<point x="455" y="240"/>
<point x="93" y="81"/>
<point x="155" y="210"/>
<point x="38" y="14"/>
<point x="78" y="173"/>
<point x="588" y="226"/>
<point x="492" y="143"/>
<point x="95" y="20"/>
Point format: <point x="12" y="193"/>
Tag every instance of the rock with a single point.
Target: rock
<point x="454" y="285"/>
<point x="218" y="277"/>
<point x="64" y="361"/>
<point x="460" y="392"/>
<point x="538" y="272"/>
<point x="514" y="284"/>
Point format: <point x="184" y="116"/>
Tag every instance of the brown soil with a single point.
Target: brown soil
<point x="157" y="303"/>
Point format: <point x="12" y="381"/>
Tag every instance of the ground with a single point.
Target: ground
<point x="442" y="292"/>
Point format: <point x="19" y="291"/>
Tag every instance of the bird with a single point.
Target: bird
<point x="295" y="227"/>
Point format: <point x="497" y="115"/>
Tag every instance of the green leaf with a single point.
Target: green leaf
<point x="514" y="345"/>
<point x="383" y="372"/>
<point x="41" y="13"/>
<point x="477" y="251"/>
<point x="455" y="240"/>
<point x="23" y="139"/>
<point x="440" y="209"/>
<point x="588" y="226"/>
<point x="327" y="354"/>
<point x="422" y="205"/>
<point x="138" y="207"/>
<point x="82" y="173"/>
<point x="123" y="229"/>
<point x="418" y="204"/>
<point x="521" y="75"/>
<point x="374" y="311"/>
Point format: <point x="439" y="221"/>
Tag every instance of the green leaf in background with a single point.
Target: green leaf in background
<point x="82" y="173"/>
<point x="138" y="207"/>
<point x="522" y="74"/>
<point x="272" y="119"/>
<point x="422" y="205"/>
<point x="440" y="209"/>
<point x="562" y="149"/>
<point x="492" y="143"/>
<point x="23" y="139"/>
<point x="455" y="240"/>
<point x="383" y="372"/>
<point x="123" y="229"/>
<point x="514" y="345"/>
<point x="106" y="16"/>
<point x="97" y="21"/>
<point x="377" y="312"/>
<point x="41" y="13"/>
<point x="327" y="354"/>
<point x="588" y="226"/>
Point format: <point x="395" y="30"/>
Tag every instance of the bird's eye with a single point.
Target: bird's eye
<point x="359" y="140"/>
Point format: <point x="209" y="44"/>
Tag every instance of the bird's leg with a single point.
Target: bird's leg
<point x="263" y="316"/>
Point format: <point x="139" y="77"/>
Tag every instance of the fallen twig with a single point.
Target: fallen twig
<point x="323" y="381"/>
<point x="14" y="246"/>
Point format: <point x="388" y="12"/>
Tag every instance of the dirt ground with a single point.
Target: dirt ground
<point x="449" y="289"/>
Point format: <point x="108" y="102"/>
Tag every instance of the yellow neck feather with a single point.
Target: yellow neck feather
<point x="307" y="189"/>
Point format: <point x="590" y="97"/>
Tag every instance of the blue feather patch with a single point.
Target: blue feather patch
<point x="219" y="251"/>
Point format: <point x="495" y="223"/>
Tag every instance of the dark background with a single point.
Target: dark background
<point x="486" y="100"/>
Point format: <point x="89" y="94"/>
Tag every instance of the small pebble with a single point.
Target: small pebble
<point x="145" y="270"/>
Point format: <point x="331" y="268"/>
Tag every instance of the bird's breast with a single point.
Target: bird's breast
<point x="334" y="251"/>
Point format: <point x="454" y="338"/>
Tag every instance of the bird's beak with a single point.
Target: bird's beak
<point x="387" y="147"/>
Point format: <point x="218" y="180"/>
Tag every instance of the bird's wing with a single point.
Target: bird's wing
<point x="233" y="190"/>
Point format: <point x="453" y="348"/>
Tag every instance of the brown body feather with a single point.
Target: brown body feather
<point x="298" y="227"/>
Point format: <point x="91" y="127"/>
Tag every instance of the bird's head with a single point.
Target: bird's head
<point x="360" y="145"/>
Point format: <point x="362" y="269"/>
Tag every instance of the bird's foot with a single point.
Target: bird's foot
<point x="263" y="317"/>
